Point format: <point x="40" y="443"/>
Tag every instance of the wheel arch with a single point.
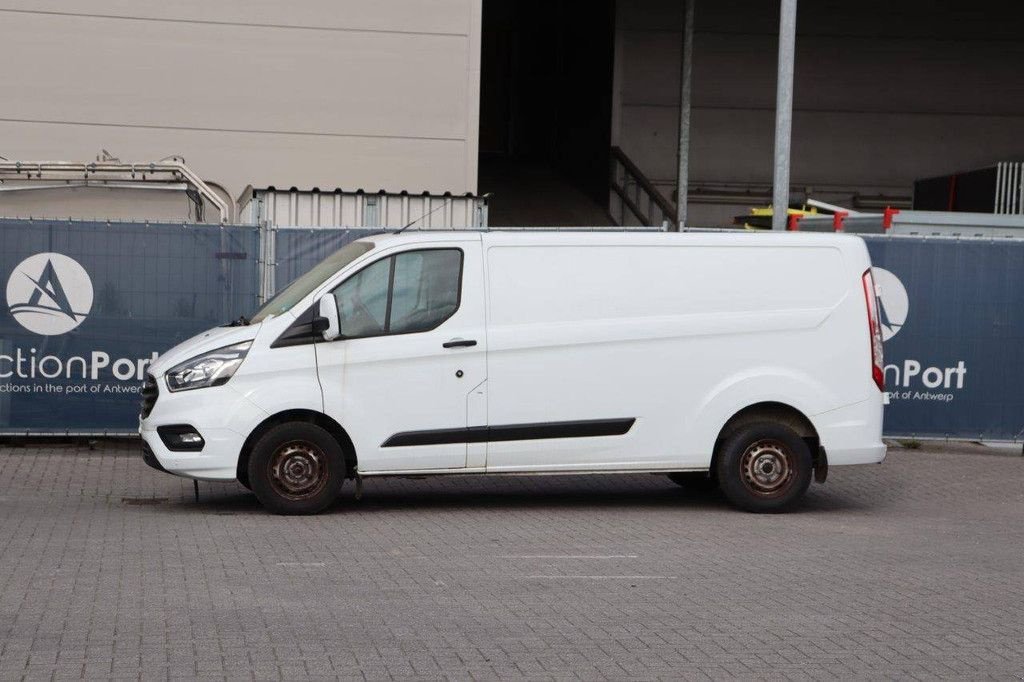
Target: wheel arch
<point x="772" y="411"/>
<point x="297" y="415"/>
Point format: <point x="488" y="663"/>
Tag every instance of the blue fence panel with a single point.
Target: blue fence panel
<point x="89" y="304"/>
<point x="953" y="318"/>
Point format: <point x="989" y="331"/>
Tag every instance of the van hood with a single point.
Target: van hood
<point x="211" y="339"/>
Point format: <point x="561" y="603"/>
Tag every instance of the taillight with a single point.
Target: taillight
<point x="874" y="329"/>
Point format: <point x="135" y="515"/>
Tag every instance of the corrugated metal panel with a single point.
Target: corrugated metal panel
<point x="342" y="208"/>
<point x="1010" y="188"/>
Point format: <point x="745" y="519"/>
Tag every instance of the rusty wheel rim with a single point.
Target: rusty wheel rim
<point x="767" y="468"/>
<point x="298" y="470"/>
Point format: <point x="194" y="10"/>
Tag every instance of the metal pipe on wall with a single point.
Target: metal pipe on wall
<point x="783" y="113"/>
<point x="118" y="171"/>
<point x="685" y="88"/>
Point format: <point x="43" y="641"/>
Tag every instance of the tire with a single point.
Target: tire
<point x="764" y="467"/>
<point x="695" y="481"/>
<point x="296" y="468"/>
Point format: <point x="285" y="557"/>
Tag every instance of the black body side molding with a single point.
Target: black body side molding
<point x="483" y="434"/>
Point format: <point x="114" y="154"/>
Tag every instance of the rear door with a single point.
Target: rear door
<point x="400" y="381"/>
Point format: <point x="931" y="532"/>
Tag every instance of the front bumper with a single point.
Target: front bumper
<point x="150" y="459"/>
<point x="224" y="417"/>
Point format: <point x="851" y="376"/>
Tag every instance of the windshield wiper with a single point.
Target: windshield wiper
<point x="242" y="321"/>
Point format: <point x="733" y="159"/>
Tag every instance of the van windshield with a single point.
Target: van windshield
<point x="301" y="287"/>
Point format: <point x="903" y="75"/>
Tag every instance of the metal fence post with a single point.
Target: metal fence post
<point x="266" y="264"/>
<point x="783" y="113"/>
<point x="685" y="87"/>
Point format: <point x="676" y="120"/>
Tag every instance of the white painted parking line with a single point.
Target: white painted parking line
<point x="568" y="556"/>
<point x="602" y="577"/>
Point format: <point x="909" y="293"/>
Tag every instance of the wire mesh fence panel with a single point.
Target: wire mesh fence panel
<point x="90" y="304"/>
<point x="298" y="249"/>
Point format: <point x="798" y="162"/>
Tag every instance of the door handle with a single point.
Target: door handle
<point x="459" y="343"/>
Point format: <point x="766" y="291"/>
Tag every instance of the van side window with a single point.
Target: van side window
<point x="414" y="291"/>
<point x="363" y="300"/>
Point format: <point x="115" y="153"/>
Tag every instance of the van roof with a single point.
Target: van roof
<point x="622" y="237"/>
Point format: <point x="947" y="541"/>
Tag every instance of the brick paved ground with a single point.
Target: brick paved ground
<point x="109" y="570"/>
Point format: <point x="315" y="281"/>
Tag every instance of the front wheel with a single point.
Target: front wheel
<point x="296" y="468"/>
<point x="764" y="467"/>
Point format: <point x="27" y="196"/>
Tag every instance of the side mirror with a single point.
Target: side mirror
<point x="326" y="320"/>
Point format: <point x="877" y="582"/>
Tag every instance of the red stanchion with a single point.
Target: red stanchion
<point x="887" y="215"/>
<point x="837" y="220"/>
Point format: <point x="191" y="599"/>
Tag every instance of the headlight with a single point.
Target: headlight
<point x="209" y="369"/>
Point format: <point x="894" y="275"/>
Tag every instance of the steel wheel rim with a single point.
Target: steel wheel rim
<point x="298" y="470"/>
<point x="767" y="468"/>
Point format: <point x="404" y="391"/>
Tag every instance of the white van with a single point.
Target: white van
<point x="748" y="361"/>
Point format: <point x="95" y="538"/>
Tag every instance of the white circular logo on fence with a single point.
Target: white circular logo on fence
<point x="893" y="304"/>
<point x="49" y="294"/>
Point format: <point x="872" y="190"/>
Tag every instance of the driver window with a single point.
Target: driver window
<point x="363" y="300"/>
<point x="410" y="292"/>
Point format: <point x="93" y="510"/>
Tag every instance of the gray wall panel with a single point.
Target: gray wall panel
<point x="884" y="93"/>
<point x="350" y="93"/>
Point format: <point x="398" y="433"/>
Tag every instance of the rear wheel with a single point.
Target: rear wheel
<point x="296" y="468"/>
<point x="764" y="467"/>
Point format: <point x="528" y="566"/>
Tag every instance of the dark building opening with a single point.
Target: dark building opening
<point x="545" y="111"/>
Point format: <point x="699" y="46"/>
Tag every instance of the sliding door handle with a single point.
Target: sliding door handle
<point x="459" y="343"/>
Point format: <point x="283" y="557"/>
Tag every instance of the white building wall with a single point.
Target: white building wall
<point x="320" y="93"/>
<point x="884" y="93"/>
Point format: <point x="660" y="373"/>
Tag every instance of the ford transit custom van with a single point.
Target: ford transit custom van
<point x="751" y="362"/>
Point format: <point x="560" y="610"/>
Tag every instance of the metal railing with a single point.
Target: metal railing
<point x="170" y="171"/>
<point x="953" y="224"/>
<point x="633" y="198"/>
